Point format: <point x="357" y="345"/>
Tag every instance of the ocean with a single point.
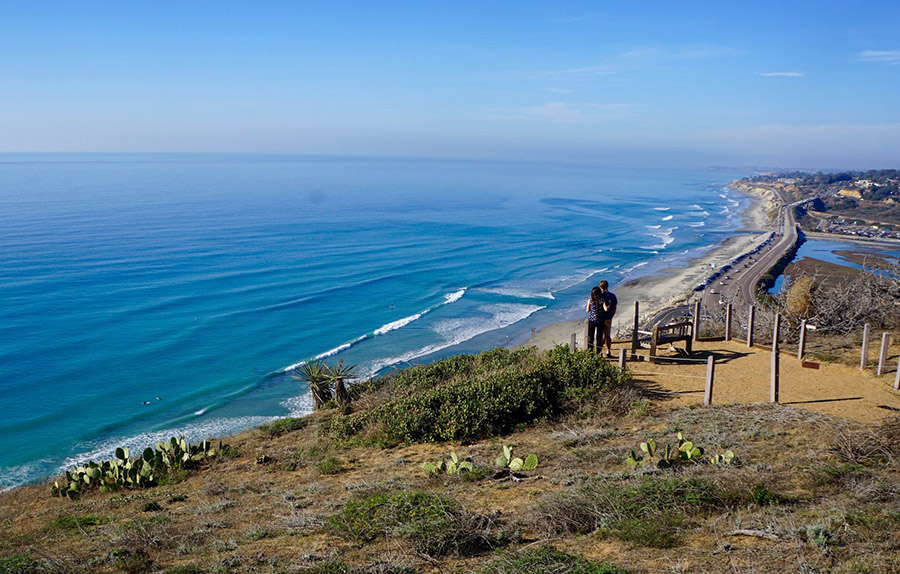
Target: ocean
<point x="145" y="296"/>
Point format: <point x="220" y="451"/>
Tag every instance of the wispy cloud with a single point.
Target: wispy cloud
<point x="622" y="62"/>
<point x="887" y="56"/>
<point x="782" y="74"/>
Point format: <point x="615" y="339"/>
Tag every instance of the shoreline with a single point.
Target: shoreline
<point x="672" y="286"/>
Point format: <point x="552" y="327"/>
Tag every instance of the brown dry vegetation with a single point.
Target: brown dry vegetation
<point x="809" y="492"/>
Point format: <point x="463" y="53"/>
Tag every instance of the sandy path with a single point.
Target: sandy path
<point x="742" y="375"/>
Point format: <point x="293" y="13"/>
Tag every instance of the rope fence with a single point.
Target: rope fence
<point x="680" y="332"/>
<point x="667" y="375"/>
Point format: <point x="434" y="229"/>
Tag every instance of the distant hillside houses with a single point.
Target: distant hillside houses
<point x="853" y="203"/>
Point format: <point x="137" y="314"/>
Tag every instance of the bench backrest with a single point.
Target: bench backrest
<point x="673" y="332"/>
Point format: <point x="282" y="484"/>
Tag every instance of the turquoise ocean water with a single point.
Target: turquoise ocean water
<point x="193" y="283"/>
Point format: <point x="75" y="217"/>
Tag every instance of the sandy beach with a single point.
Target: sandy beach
<point x="672" y="286"/>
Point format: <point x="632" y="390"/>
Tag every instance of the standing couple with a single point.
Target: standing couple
<point x="600" y="309"/>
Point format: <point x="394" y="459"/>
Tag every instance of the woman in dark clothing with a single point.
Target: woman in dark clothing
<point x="595" y="318"/>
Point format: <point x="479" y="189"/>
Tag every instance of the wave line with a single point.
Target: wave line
<point x="384" y="329"/>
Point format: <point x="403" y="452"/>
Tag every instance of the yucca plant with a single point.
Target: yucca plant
<point x="338" y="373"/>
<point x="319" y="376"/>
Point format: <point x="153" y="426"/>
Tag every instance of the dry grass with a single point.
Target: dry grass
<point x="825" y="488"/>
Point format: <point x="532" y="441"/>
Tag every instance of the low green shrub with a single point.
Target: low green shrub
<point x="151" y="506"/>
<point x="335" y="566"/>
<point x="76" y="523"/>
<point x="761" y="495"/>
<point x="184" y="569"/>
<point x="19" y="564"/>
<point x="650" y="531"/>
<point x="837" y="473"/>
<point x="133" y="561"/>
<point x="327" y="566"/>
<point x="279" y="427"/>
<point x="644" y="512"/>
<point x="465" y="397"/>
<point x="546" y="559"/>
<point x="330" y="465"/>
<point x="434" y="525"/>
<point x="155" y="531"/>
<point x="259" y="534"/>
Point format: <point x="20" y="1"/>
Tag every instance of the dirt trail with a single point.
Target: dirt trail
<point x="742" y="375"/>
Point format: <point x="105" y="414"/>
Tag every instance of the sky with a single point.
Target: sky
<point x="798" y="84"/>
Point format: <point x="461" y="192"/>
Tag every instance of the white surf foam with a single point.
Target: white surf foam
<point x="454" y="297"/>
<point x="636" y="266"/>
<point x="517" y="293"/>
<point x="662" y="208"/>
<point x="665" y="236"/>
<point x="456" y="331"/>
<point x="383" y="330"/>
<point x="569" y="281"/>
<point x="697" y="224"/>
<point x="299" y="406"/>
<point x="393" y="326"/>
<point x="668" y="218"/>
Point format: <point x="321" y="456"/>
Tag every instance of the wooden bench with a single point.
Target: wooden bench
<point x="673" y="333"/>
<point x="664" y="334"/>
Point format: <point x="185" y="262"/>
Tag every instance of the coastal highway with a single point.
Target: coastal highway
<point x="739" y="282"/>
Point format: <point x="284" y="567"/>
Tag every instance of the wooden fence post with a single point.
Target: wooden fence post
<point x="751" y="318"/>
<point x="572" y="343"/>
<point x="728" y="322"/>
<point x="882" y="356"/>
<point x="634" y="331"/>
<point x="622" y="359"/>
<point x="801" y="348"/>
<point x="897" y="377"/>
<point x="710" y="374"/>
<point x="697" y="320"/>
<point x="776" y="367"/>
<point x="864" y="357"/>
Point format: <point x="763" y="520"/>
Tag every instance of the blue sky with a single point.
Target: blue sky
<point x="672" y="83"/>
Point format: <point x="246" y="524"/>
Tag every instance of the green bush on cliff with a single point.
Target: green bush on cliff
<point x="19" y="564"/>
<point x="467" y="397"/>
<point x="433" y="525"/>
<point x="546" y="559"/>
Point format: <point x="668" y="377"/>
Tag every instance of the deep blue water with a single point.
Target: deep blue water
<point x="200" y="279"/>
